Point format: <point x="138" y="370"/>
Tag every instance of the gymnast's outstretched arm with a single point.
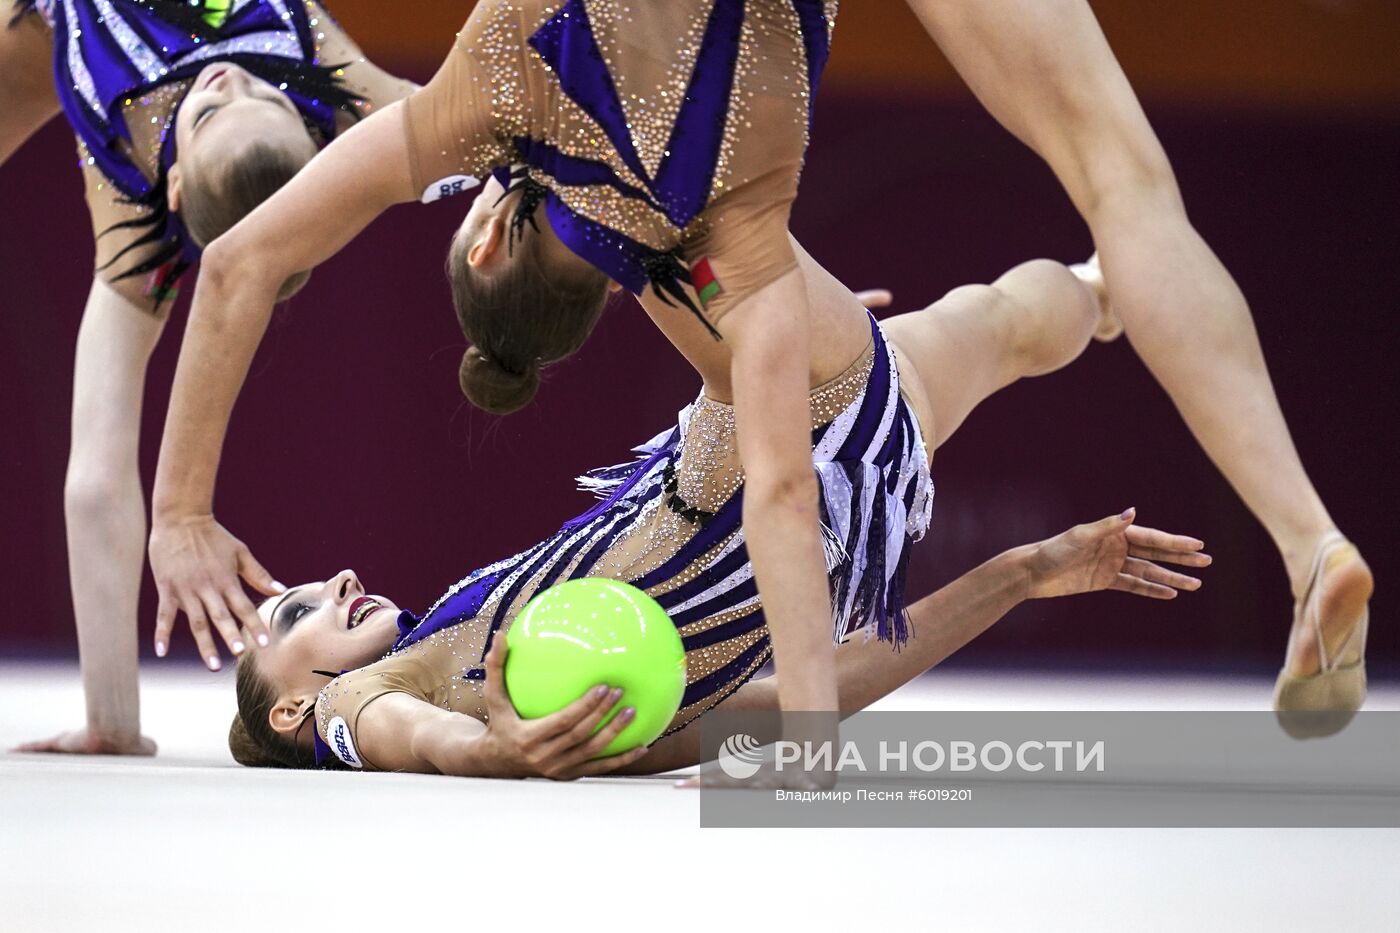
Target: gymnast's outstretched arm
<point x="195" y="561"/>
<point x="1113" y="553"/>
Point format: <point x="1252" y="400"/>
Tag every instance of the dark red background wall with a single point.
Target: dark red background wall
<point x="352" y="447"/>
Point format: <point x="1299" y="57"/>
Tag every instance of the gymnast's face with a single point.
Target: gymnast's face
<point x="226" y="111"/>
<point x="329" y="626"/>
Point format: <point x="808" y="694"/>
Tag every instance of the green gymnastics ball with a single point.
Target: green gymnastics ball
<point x="574" y="636"/>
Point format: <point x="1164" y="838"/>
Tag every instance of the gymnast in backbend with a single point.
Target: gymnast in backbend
<point x="187" y="116"/>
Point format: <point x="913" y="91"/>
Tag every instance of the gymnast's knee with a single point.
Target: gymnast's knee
<point x="1130" y="177"/>
<point x="1042" y="312"/>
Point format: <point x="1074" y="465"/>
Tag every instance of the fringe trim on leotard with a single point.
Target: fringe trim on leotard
<point x="875" y="500"/>
<point x="602" y="482"/>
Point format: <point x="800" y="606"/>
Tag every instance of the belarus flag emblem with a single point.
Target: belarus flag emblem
<point x="702" y="278"/>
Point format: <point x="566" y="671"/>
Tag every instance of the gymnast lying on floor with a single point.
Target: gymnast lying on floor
<point x="349" y="676"/>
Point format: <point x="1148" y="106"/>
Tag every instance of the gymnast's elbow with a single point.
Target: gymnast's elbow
<point x="235" y="265"/>
<point x="448" y="744"/>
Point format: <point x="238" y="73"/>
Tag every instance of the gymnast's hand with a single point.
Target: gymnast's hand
<point x="561" y="746"/>
<point x="89" y="742"/>
<point x="197" y="565"/>
<point x="1112" y="554"/>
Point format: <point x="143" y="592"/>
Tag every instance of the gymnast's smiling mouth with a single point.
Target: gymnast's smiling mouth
<point x="360" y="610"/>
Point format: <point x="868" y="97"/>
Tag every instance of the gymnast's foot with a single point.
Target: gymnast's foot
<point x="1109" y="328"/>
<point x="88" y="742"/>
<point x="1323" y="680"/>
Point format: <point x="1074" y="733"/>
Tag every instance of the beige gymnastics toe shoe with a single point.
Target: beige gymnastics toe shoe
<point x="1321" y="704"/>
<point x="1109" y="328"/>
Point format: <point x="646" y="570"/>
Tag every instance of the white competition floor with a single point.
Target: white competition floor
<point x="188" y="841"/>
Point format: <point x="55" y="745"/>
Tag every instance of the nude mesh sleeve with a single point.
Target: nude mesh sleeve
<point x="108" y="209"/>
<point x="449" y="125"/>
<point x="341" y="702"/>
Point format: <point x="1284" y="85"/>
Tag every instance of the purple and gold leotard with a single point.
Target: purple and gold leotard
<point x="122" y="69"/>
<point x="669" y="137"/>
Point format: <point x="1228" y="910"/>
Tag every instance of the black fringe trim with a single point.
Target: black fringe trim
<point x="667" y="272"/>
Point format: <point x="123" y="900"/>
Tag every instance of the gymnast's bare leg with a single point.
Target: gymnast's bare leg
<point x="1044" y="69"/>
